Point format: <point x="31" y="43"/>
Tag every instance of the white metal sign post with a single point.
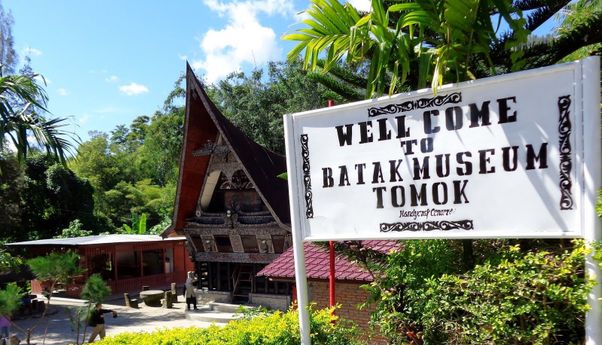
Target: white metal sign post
<point x="514" y="156"/>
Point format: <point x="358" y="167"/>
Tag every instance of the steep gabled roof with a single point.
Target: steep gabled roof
<point x="202" y="124"/>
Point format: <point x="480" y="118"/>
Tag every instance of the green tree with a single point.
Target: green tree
<point x="8" y="55"/>
<point x="41" y="197"/>
<point x="96" y="162"/>
<point x="55" y="268"/>
<point x="157" y="159"/>
<point x="22" y="104"/>
<point x="95" y="290"/>
<point x="139" y="225"/>
<point x="75" y="229"/>
<point x="10" y="299"/>
<point x="407" y="45"/>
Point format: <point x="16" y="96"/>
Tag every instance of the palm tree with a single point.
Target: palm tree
<point x="22" y="100"/>
<point x="408" y="44"/>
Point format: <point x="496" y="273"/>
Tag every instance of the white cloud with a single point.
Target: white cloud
<point x="244" y="40"/>
<point x="62" y="91"/>
<point x="361" y="5"/>
<point x="83" y="119"/>
<point x="29" y="51"/>
<point x="132" y="89"/>
<point x="112" y="79"/>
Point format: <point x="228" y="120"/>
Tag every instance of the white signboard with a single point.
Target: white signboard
<point x="497" y="157"/>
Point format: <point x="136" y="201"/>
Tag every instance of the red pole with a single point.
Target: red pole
<point x="331" y="277"/>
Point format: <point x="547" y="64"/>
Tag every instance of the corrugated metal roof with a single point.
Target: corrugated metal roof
<point x="95" y="240"/>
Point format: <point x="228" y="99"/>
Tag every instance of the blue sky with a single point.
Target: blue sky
<point x="106" y="62"/>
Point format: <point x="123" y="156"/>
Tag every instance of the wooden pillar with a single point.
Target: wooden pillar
<point x="229" y="277"/>
<point x="253" y="286"/>
<point x="163" y="262"/>
<point x="116" y="275"/>
<point x="219" y="276"/>
<point x="141" y="263"/>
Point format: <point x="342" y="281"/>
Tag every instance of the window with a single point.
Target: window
<point x="152" y="262"/>
<point x="278" y="241"/>
<point x="223" y="244"/>
<point x="249" y="243"/>
<point x="128" y="264"/>
<point x="103" y="265"/>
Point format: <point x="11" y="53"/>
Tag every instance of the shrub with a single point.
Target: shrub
<point x="398" y="289"/>
<point x="513" y="297"/>
<point x="533" y="298"/>
<point x="10" y="299"/>
<point x="95" y="290"/>
<point x="265" y="328"/>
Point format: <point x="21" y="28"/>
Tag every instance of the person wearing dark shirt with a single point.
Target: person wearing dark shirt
<point x="97" y="321"/>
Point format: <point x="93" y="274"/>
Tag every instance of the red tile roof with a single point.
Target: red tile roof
<point x="317" y="263"/>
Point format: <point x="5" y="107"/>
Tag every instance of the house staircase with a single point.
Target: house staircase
<point x="242" y="283"/>
<point x="203" y="282"/>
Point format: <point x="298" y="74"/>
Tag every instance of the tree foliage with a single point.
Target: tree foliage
<point x="8" y="55"/>
<point x="41" y="197"/>
<point x="512" y="296"/>
<point x="10" y="299"/>
<point x="22" y="104"/>
<point x="413" y="44"/>
<point x="57" y="268"/>
<point x="95" y="289"/>
<point x="75" y="229"/>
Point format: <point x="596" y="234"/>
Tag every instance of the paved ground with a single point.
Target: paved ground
<point x="58" y="325"/>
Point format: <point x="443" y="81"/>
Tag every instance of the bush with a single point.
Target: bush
<point x="265" y="328"/>
<point x="95" y="290"/>
<point x="10" y="299"/>
<point x="536" y="297"/>
<point x="397" y="291"/>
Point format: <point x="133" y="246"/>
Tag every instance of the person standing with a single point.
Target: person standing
<point x="97" y="321"/>
<point x="4" y="327"/>
<point x="190" y="293"/>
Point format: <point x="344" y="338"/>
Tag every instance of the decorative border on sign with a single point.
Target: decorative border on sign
<point x="421" y="103"/>
<point x="566" y="164"/>
<point x="309" y="209"/>
<point x="445" y="225"/>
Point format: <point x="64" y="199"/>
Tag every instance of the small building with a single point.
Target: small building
<point x="125" y="262"/>
<point x="349" y="277"/>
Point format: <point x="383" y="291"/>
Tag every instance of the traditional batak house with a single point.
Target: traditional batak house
<point x="230" y="205"/>
<point x="234" y="210"/>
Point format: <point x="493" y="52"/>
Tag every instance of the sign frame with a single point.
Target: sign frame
<point x="588" y="174"/>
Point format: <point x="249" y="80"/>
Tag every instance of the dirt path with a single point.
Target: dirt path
<point x="59" y="325"/>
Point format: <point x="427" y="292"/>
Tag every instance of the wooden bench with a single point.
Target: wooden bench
<point x="130" y="302"/>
